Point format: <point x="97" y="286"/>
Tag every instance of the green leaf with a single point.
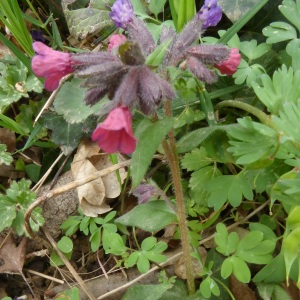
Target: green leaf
<point x="279" y="32"/>
<point x="7" y="212"/>
<point x="148" y="243"/>
<point x="288" y="122"/>
<point x="146" y="292"/>
<point x="274" y="271"/>
<point x="226" y="268"/>
<point x="56" y="261"/>
<point x="69" y="102"/>
<point x="89" y="20"/>
<point x="286" y="189"/>
<point x="272" y="291"/>
<point x="208" y="286"/>
<point x="149" y="136"/>
<point x="113" y="243"/>
<point x="95" y="239"/>
<point x="267" y="232"/>
<point x="196" y="160"/>
<point x="65" y="244"/>
<point x="157" y="6"/>
<point x="282" y="88"/>
<point x="251" y="141"/>
<point x="155" y="58"/>
<point x="5" y="157"/>
<point x="194" y="138"/>
<point x="291" y="11"/>
<point x="73" y="294"/>
<point x="143" y="263"/>
<point x="198" y="182"/>
<point x="151" y="216"/>
<point x="231" y="188"/>
<point x="290" y="250"/>
<point x="247" y="73"/>
<point x="253" y="249"/>
<point x="252" y="50"/>
<point x="226" y="243"/>
<point x="292" y="49"/>
<point x="66" y="135"/>
<point x="240" y="269"/>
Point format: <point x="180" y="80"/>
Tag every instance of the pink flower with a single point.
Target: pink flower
<point x="230" y="65"/>
<point x="116" y="40"/>
<point x="51" y="64"/>
<point x="115" y="133"/>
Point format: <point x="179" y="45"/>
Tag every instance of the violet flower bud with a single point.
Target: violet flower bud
<point x="210" y="14"/>
<point x="121" y="13"/>
<point x="144" y="192"/>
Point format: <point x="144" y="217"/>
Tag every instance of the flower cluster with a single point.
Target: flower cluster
<point x="122" y="75"/>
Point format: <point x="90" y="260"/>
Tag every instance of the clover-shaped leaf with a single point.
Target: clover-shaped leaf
<point x="252" y="50"/>
<point x="278" y="32"/>
<point x="248" y="73"/>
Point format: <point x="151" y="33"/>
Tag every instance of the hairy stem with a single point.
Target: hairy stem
<point x="172" y="156"/>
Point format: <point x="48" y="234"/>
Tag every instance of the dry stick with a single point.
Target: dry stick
<point x="66" y="188"/>
<point x="69" y="266"/>
<point x="42" y="180"/>
<point x="44" y="276"/>
<point x="52" y="97"/>
<point x="177" y="255"/>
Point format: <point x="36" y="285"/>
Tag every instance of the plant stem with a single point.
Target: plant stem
<point x="172" y="156"/>
<point x="263" y="118"/>
<point x="206" y="104"/>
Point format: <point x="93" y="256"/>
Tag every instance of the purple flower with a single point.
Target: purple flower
<point x="115" y="133"/>
<point x="144" y="192"/>
<point x="121" y="13"/>
<point x="210" y="13"/>
<point x="51" y="64"/>
<point x="37" y="36"/>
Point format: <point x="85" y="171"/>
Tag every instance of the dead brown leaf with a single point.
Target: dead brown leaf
<point x="240" y="290"/>
<point x="12" y="257"/>
<point x="92" y="196"/>
<point x="8" y="138"/>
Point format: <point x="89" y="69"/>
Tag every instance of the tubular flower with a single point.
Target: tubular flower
<point x="51" y="64"/>
<point x="115" y="133"/>
<point x="115" y="41"/>
<point x="210" y="14"/>
<point x="121" y="13"/>
<point x="230" y="65"/>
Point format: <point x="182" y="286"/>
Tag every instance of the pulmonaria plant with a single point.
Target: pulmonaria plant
<point x="122" y="75"/>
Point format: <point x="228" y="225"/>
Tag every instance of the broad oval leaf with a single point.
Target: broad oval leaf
<point x="151" y="216"/>
<point x="149" y="136"/>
